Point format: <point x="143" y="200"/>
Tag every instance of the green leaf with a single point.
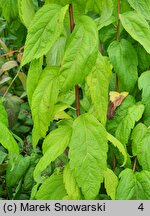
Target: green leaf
<point x="44" y="30"/>
<point x="143" y="58"/>
<point x="2" y="156"/>
<point x="135" y="24"/>
<point x="106" y="17"/>
<point x="141" y="6"/>
<point x="7" y="140"/>
<point x="26" y="11"/>
<point x="33" y="77"/>
<point x="143" y="84"/>
<point x="141" y="145"/>
<point x="3" y="114"/>
<point x="80" y="54"/>
<point x="9" y="9"/>
<point x="121" y="112"/>
<point x="52" y="189"/>
<point x="54" y="145"/>
<point x="143" y="179"/>
<point x="98" y="81"/>
<point x="16" y="168"/>
<point x="88" y="154"/>
<point x="126" y="186"/>
<point x="133" y="186"/>
<point x="124" y="59"/>
<point x="111" y="182"/>
<point x="124" y="128"/>
<point x="94" y="6"/>
<point x="143" y="151"/>
<point x="137" y="135"/>
<point x="55" y="55"/>
<point x="43" y="101"/>
<point x="70" y="183"/>
<point x="119" y="145"/>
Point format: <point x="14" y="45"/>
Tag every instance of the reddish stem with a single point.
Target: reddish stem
<point x="77" y="89"/>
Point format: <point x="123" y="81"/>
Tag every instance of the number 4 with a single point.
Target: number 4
<point x="141" y="207"/>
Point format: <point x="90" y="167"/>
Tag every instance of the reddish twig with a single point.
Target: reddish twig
<point x="77" y="89"/>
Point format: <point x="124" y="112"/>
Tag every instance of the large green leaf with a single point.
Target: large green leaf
<point x="124" y="128"/>
<point x="119" y="145"/>
<point x="7" y="140"/>
<point x="52" y="189"/>
<point x="80" y="54"/>
<point x="26" y="11"/>
<point x="141" y="6"/>
<point x="16" y="168"/>
<point x="33" y="77"/>
<point x="70" y="183"/>
<point x="43" y="101"/>
<point x="54" y="145"/>
<point x="124" y="59"/>
<point x="141" y="145"/>
<point x="45" y="28"/>
<point x="9" y="9"/>
<point x="88" y="154"/>
<point x="98" y="81"/>
<point x="111" y="183"/>
<point x="133" y="186"/>
<point x="135" y="24"/>
<point x="143" y="84"/>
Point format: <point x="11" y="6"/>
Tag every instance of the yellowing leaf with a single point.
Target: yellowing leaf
<point x="71" y="186"/>
<point x="111" y="183"/>
<point x="52" y="189"/>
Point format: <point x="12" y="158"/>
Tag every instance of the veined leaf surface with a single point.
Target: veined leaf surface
<point x="80" y="54"/>
<point x="98" y="81"/>
<point x="124" y="59"/>
<point x="52" y="189"/>
<point x="88" y="154"/>
<point x="135" y="24"/>
<point x="70" y="183"/>
<point x="43" y="101"/>
<point x="54" y="145"/>
<point x="45" y="28"/>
